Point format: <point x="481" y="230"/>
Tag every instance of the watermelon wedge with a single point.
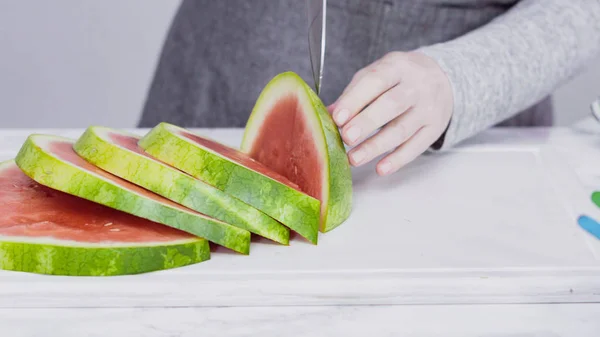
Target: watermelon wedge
<point x="51" y="161"/>
<point x="46" y="231"/>
<point x="236" y="174"/>
<point x="117" y="152"/>
<point x="291" y="132"/>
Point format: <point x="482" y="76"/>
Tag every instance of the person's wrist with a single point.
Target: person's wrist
<point x="444" y="80"/>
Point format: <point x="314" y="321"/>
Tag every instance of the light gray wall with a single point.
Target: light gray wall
<point x="73" y="63"/>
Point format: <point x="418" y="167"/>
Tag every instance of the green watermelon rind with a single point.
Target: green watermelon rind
<point x="46" y="169"/>
<point x="68" y="258"/>
<point x="294" y="209"/>
<point x="65" y="260"/>
<point x="171" y="183"/>
<point x="340" y="202"/>
<point x="338" y="198"/>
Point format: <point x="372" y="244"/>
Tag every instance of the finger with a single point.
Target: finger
<point x="355" y="79"/>
<point x="408" y="151"/>
<point x="377" y="80"/>
<point x="359" y="76"/>
<point x="331" y="107"/>
<point x="389" y="137"/>
<point x="388" y="106"/>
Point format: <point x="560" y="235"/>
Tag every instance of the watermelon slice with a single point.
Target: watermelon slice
<point x="237" y="174"/>
<point x="46" y="231"/>
<point x="51" y="161"/>
<point x="291" y="132"/>
<point x="121" y="156"/>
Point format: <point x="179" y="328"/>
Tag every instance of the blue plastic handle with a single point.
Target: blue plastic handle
<point x="589" y="225"/>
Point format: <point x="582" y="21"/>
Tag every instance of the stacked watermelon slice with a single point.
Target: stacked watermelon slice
<point x="114" y="203"/>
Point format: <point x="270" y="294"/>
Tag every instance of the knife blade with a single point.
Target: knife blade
<point x="316" y="14"/>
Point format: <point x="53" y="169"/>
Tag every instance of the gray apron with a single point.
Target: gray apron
<point x="219" y="54"/>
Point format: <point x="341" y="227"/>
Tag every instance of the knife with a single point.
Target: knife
<point x="316" y="14"/>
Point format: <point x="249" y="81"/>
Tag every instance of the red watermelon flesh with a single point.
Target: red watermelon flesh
<point x="286" y="142"/>
<point x="29" y="209"/>
<point x="238" y="157"/>
<point x="128" y="142"/>
<point x="53" y="162"/>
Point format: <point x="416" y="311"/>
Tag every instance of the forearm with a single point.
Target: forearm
<point x="516" y="60"/>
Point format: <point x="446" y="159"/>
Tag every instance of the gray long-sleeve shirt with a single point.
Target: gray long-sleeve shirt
<point x="516" y="60"/>
<point x="503" y="57"/>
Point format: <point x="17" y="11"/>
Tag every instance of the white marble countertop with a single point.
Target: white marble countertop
<point x="525" y="320"/>
<point x="482" y="240"/>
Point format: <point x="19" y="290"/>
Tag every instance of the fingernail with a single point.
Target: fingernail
<point x="353" y="133"/>
<point x="385" y="168"/>
<point x="358" y="156"/>
<point x="342" y="116"/>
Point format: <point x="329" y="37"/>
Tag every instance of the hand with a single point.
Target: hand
<point x="408" y="96"/>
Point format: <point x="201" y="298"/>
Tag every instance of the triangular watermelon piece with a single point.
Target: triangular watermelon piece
<point x="51" y="161"/>
<point x="236" y="174"/>
<point x="46" y="231"/>
<point x="122" y="156"/>
<point x="291" y="132"/>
